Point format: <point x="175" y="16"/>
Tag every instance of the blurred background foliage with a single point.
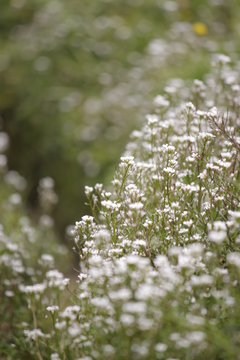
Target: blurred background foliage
<point x="78" y="76"/>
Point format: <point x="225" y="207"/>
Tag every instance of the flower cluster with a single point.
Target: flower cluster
<point x="26" y="265"/>
<point x="159" y="259"/>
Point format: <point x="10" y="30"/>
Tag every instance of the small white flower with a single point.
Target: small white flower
<point x="101" y="302"/>
<point x="205" y="135"/>
<point x="188" y="223"/>
<point x="160" y="101"/>
<point x="46" y="221"/>
<point x="88" y="190"/>
<point x="53" y="308"/>
<point x="195" y="336"/>
<point x="222" y="59"/>
<point x="202" y="280"/>
<point x="213" y="112"/>
<point x="33" y="289"/>
<point x="189" y="108"/>
<point x="15" y="199"/>
<point x="111" y="205"/>
<point x="9" y="293"/>
<point x="195" y="320"/>
<point x="135" y="307"/>
<point x="234" y="259"/>
<point x="160" y="347"/>
<point x="34" y="334"/>
<point x="152" y="119"/>
<point x="60" y="325"/>
<point x="127" y="159"/>
<point x="127" y="319"/>
<point x="55" y="356"/>
<point x="108" y="350"/>
<point x="136" y="206"/>
<point x="74" y="329"/>
<point x="234" y="214"/>
<point x="122" y="295"/>
<point x="98" y="187"/>
<point x="46" y="260"/>
<point x="219" y="226"/>
<point x="203" y="175"/>
<point x="169" y="170"/>
<point x="217" y="237"/>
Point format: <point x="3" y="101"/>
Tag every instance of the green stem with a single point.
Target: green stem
<point x="35" y="327"/>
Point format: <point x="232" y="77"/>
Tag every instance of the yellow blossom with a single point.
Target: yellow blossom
<point x="200" y="28"/>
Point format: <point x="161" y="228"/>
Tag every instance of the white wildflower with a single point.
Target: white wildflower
<point x="213" y="112"/>
<point x="136" y="206"/>
<point x="160" y="101"/>
<point x="101" y="302"/>
<point x="152" y="119"/>
<point x="111" y="205"/>
<point x="234" y="214"/>
<point x="169" y="170"/>
<point x="52" y="308"/>
<point x="195" y="336"/>
<point x="34" y="334"/>
<point x="120" y="295"/>
<point x="33" y="289"/>
<point x="135" y="307"/>
<point x="234" y="259"/>
<point x="205" y="135"/>
<point x="127" y="319"/>
<point x="46" y="221"/>
<point x="88" y="190"/>
<point x="217" y="237"/>
<point x="127" y="159"/>
<point x="55" y="356"/>
<point x="202" y="280"/>
<point x="46" y="260"/>
<point x="160" y="347"/>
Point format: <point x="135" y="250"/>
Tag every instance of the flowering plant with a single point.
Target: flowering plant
<point x="159" y="259"/>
